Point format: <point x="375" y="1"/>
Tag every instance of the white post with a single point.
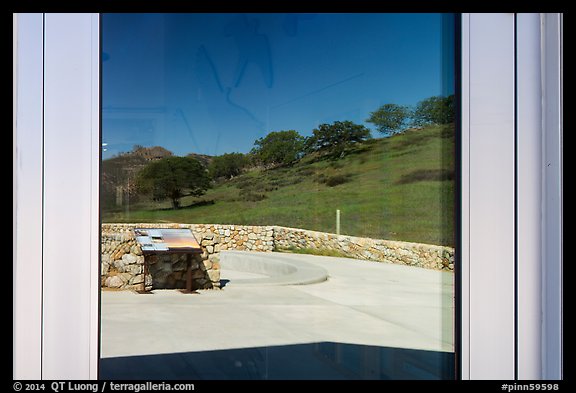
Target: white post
<point x="337" y="221"/>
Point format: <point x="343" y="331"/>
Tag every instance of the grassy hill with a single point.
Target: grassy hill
<point x="399" y="188"/>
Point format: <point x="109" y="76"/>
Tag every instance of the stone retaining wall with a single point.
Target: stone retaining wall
<point x="412" y="254"/>
<point x="123" y="261"/>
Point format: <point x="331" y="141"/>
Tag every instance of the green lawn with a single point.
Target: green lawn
<point x="398" y="188"/>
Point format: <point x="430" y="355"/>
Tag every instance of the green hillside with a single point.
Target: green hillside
<point x="399" y="188"/>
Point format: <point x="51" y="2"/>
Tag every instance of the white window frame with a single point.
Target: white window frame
<point x="552" y="195"/>
<point x="56" y="218"/>
<point x="511" y="258"/>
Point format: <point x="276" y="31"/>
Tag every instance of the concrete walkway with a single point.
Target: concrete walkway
<point x="368" y="320"/>
<point x="281" y="269"/>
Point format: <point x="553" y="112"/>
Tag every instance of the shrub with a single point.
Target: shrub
<point x="336" y="180"/>
<point x="251" y="196"/>
<point x="321" y="178"/>
<point x="305" y="171"/>
<point x="426" y="175"/>
<point x="245" y="183"/>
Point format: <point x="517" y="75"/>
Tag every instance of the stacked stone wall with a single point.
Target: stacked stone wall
<point x="122" y="263"/>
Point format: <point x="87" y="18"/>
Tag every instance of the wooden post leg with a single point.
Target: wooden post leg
<point x="145" y="273"/>
<point x="189" y="273"/>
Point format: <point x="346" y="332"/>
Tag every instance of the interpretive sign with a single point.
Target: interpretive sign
<point x="154" y="240"/>
<point x="168" y="240"/>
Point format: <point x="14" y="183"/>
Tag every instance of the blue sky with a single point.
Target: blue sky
<point x="214" y="83"/>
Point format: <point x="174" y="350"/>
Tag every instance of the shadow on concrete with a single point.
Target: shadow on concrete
<point x="324" y="360"/>
<point x="223" y="282"/>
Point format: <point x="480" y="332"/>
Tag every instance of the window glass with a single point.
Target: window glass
<point x="277" y="196"/>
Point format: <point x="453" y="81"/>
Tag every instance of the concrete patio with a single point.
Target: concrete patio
<point x="367" y="320"/>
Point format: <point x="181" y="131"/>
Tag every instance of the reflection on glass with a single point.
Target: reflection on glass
<point x="312" y="157"/>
